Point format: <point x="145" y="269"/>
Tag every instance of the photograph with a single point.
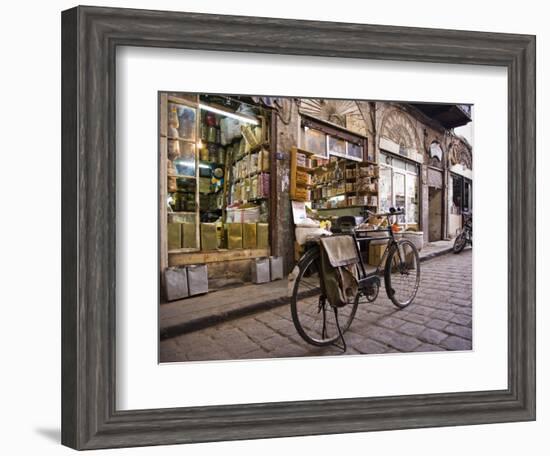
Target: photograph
<point x="306" y="227"/>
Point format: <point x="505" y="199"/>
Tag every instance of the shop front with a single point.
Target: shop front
<point x="231" y="168"/>
<point x="214" y="187"/>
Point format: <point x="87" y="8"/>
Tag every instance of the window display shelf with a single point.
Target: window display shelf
<point x="180" y="176"/>
<point x="179" y="138"/>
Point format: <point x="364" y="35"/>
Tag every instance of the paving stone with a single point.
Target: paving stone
<point x="421" y="310"/>
<point x="415" y="318"/>
<point x="394" y="339"/>
<point x="273" y="342"/>
<point x="436" y="324"/>
<point x="411" y="329"/>
<point x="429" y="348"/>
<point x="369" y="346"/>
<point x="432" y="336"/>
<point x="442" y="315"/>
<point x="390" y="322"/>
<point x="461" y="319"/>
<point x="460" y="331"/>
<point x="456" y="343"/>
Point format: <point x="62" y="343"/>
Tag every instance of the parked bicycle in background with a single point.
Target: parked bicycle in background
<point x="464" y="236"/>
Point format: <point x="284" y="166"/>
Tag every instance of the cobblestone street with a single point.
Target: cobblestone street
<point x="439" y="319"/>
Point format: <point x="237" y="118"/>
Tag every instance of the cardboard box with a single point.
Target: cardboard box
<point x="375" y="254"/>
<point x="175" y="283"/>
<point x="260" y="270"/>
<point x="249" y="236"/>
<point x="197" y="279"/>
<point x="276" y="267"/>
<point x="204" y="184"/>
<point x="174" y="236"/>
<point x="262" y="235"/>
<point x="189" y="235"/>
<point x="234" y="235"/>
<point x="209" y="238"/>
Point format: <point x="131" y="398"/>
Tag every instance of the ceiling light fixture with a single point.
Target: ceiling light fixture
<point x="238" y="117"/>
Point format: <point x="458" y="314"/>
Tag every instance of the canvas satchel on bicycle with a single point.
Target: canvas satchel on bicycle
<point x="339" y="269"/>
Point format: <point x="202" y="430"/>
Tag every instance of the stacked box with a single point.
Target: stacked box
<point x="174" y="236"/>
<point x="197" y="279"/>
<point x="264" y="160"/>
<point x="262" y="235"/>
<point x="276" y="267"/>
<point x="209" y="238"/>
<point x="303" y="178"/>
<point x="234" y="235"/>
<point x="249" y="236"/>
<point x="204" y="184"/>
<point x="189" y="237"/>
<point x="253" y="194"/>
<point x="376" y="252"/>
<point x="260" y="270"/>
<point x="263" y="185"/>
<point x="175" y="283"/>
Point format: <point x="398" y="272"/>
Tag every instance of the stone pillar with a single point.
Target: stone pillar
<point x="287" y="131"/>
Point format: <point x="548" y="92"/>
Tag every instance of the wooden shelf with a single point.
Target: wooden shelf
<point x="177" y="138"/>
<point x="253" y="150"/>
<point x="343" y="207"/>
<point x="305" y="152"/>
<point x="304" y="169"/>
<point x="180" y="177"/>
<point x="255" y="173"/>
<point x="195" y="256"/>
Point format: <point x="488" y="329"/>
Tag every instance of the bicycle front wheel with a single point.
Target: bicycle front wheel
<point x="402" y="273"/>
<point x="313" y="316"/>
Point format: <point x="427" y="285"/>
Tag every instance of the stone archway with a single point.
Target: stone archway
<point x="398" y="128"/>
<point x="345" y="113"/>
<point x="459" y="153"/>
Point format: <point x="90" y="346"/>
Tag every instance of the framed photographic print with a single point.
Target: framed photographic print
<point x="268" y="227"/>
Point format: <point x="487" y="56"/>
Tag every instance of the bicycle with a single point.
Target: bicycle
<point x="311" y="313"/>
<point x="464" y="236"/>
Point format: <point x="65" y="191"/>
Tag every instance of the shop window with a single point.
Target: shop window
<point x="399" y="187"/>
<point x="326" y="141"/>
<point x="314" y="141"/>
<point x="411" y="206"/>
<point x="336" y="146"/>
<point x="355" y="151"/>
<point x="218" y="178"/>
<point x="385" y="189"/>
<point x="401" y="164"/>
<point x="467" y="205"/>
<point x="399" y="192"/>
<point x="457" y="194"/>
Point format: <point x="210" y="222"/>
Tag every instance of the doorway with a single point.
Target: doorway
<point x="435" y="214"/>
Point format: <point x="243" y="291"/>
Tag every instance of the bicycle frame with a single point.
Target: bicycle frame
<point x="365" y="278"/>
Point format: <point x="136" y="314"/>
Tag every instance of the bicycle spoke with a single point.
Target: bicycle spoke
<point x="403" y="274"/>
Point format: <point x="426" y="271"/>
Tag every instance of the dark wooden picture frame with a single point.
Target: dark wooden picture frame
<point x="90" y="37"/>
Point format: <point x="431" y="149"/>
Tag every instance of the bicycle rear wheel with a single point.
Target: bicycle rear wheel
<point x="460" y="242"/>
<point x="402" y="273"/>
<point x="313" y="316"/>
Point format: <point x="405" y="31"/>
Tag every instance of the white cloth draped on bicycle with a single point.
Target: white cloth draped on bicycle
<point x="339" y="269"/>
